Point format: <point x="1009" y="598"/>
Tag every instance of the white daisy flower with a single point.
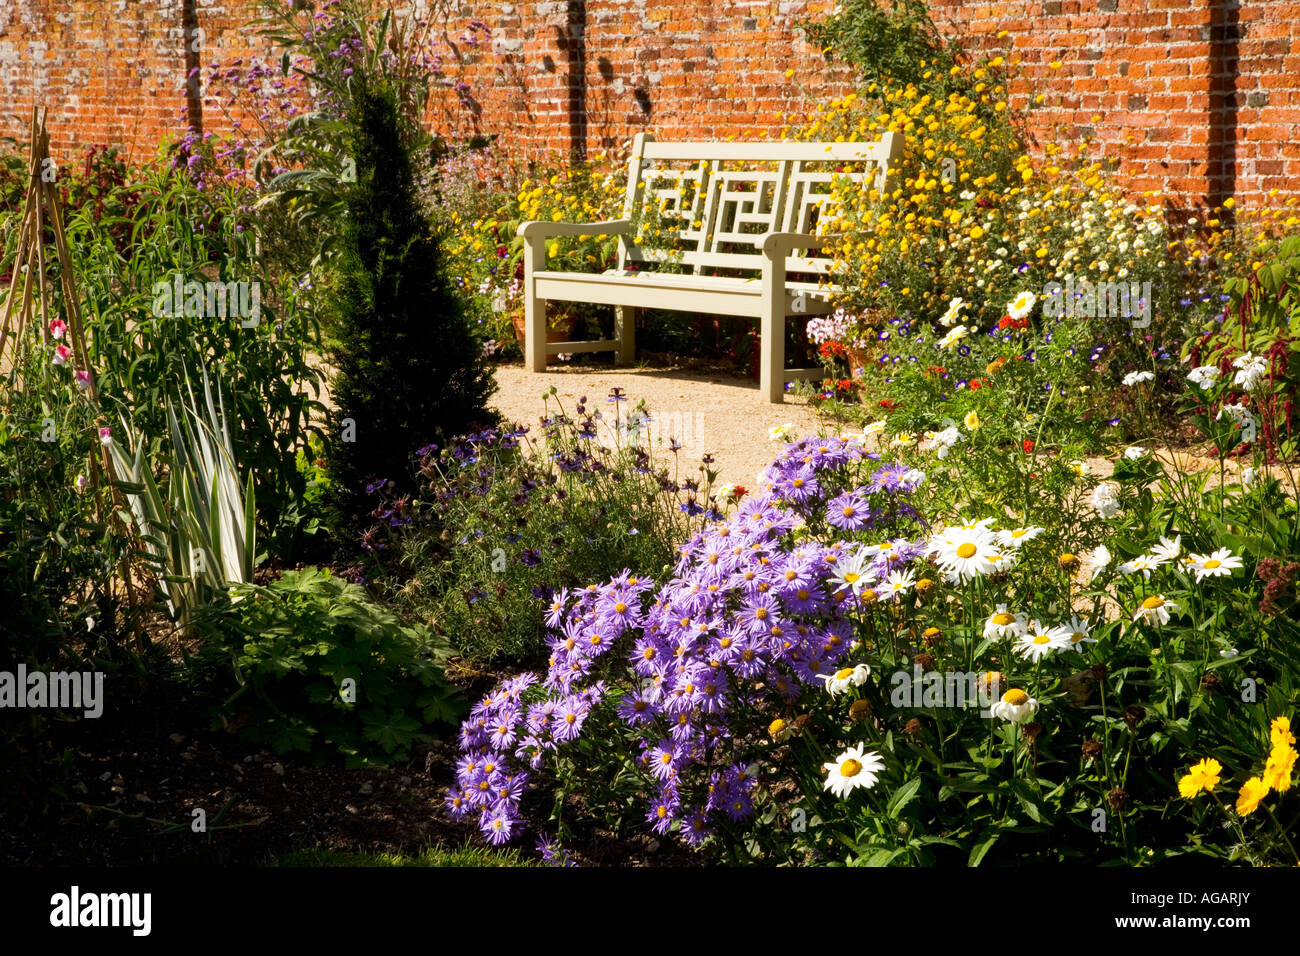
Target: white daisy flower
<point x="1167" y="550"/>
<point x="955" y="305"/>
<point x="1002" y="623"/>
<point x="1039" y="641"/>
<point x="1015" y="537"/>
<point x="898" y="583"/>
<point x="968" y="554"/>
<point x="1015" y="706"/>
<point x="1078" y="631"/>
<point x="853" y="572"/>
<point x="856" y="767"/>
<point x="1155" y="610"/>
<point x="1021" y="305"/>
<point x="781" y="432"/>
<point x="845" y="678"/>
<point x="1218" y="564"/>
<point x="954" y="335"/>
<point x="1134" y="452"/>
<point x="874" y="428"/>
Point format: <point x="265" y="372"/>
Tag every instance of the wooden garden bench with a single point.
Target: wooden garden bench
<point x="744" y="209"/>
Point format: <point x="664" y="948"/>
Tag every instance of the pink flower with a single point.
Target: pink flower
<point x="61" y="354"/>
<point x="106" y="436"/>
<point x="83" y="380"/>
<point x="82" y="483"/>
<point x="58" y="329"/>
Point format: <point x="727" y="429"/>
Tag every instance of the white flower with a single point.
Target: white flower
<point x="854" y="768"/>
<point x="898" y="583"/>
<point x="1203" y="376"/>
<point x="1143" y="562"/>
<point x="1104" y="499"/>
<point x="955" y="305"/>
<point x="1134" y="452"/>
<point x="1081" y="468"/>
<point x="874" y="428"/>
<point x="1241" y="417"/>
<point x="1015" y="706"/>
<point x="1039" y="641"/>
<point x="1250" y="369"/>
<point x="852" y="572"/>
<point x="966" y="553"/>
<point x="781" y="432"/>
<point x="1132" y="378"/>
<point x="1015" y="537"/>
<point x="1078" y="631"/>
<point x="1100" y="560"/>
<point x="954" y="335"/>
<point x="912" y="479"/>
<point x="1249" y="475"/>
<point x="1167" y="550"/>
<point x="1220" y="563"/>
<point x="945" y="439"/>
<point x="1155" y="610"/>
<point x="844" y="678"/>
<point x="1002" y="623"/>
<point x="1021" y="305"/>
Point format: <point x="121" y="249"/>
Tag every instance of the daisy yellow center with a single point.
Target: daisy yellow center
<point x="595" y="640"/>
<point x="760" y="613"/>
<point x="776" y="726"/>
<point x="747" y="654"/>
<point x="662" y="811"/>
<point x="1015" y="697"/>
<point x="1151" y="603"/>
<point x="1212" y="564"/>
<point x="851" y="577"/>
<point x="966" y="550"/>
<point x="639" y="706"/>
<point x="804" y="594"/>
<point x="570" y="718"/>
<point x="791" y="575"/>
<point x="648" y="654"/>
<point x="1077" y="636"/>
<point x="1002" y="619"/>
<point x="844" y="674"/>
<point x="848" y="511"/>
<point x="850" y="768"/>
<point x="798" y="482"/>
<point x="724" y="643"/>
<point x="1041" y="638"/>
<point x="666" y="759"/>
<point x="568" y="643"/>
<point x="620" y="607"/>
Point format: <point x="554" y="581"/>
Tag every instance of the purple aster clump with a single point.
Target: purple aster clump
<point x="671" y="676"/>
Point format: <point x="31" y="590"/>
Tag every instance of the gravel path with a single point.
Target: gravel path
<point x="708" y="414"/>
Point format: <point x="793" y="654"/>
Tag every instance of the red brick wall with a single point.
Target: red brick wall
<point x="1198" y="98"/>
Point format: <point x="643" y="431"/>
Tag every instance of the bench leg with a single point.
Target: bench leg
<point x="535" y="333"/>
<point x="625" y="334"/>
<point x="771" y="355"/>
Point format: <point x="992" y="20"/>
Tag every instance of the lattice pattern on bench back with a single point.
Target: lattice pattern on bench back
<point x="704" y="207"/>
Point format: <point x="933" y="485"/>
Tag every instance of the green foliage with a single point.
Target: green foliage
<point x="501" y="526"/>
<point x="899" y="42"/>
<point x="408" y="368"/>
<point x="293" y="644"/>
<point x="466" y="855"/>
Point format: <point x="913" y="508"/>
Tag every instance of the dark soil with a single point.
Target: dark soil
<point x="135" y="775"/>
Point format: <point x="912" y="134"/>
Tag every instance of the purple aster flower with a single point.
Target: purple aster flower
<point x="849" y="511"/>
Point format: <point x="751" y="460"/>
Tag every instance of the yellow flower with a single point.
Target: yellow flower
<point x="1280" y="732"/>
<point x="972" y="420"/>
<point x="1202" y="776"/>
<point x="1280" y="766"/>
<point x="1252" y="791"/>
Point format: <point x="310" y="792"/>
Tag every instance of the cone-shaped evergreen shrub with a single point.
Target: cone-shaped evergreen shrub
<point x="409" y="371"/>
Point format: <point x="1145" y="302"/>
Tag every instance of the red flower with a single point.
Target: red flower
<point x="976" y="383"/>
<point x="1027" y="445"/>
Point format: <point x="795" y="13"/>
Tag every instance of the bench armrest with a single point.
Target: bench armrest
<point x="780" y="243"/>
<point x="541" y="229"/>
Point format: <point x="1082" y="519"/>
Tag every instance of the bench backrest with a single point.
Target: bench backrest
<point x="713" y="202"/>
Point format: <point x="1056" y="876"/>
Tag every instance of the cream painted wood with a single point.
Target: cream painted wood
<point x="747" y="222"/>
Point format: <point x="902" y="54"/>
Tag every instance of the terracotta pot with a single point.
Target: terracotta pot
<point x="859" y="359"/>
<point x="560" y="330"/>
